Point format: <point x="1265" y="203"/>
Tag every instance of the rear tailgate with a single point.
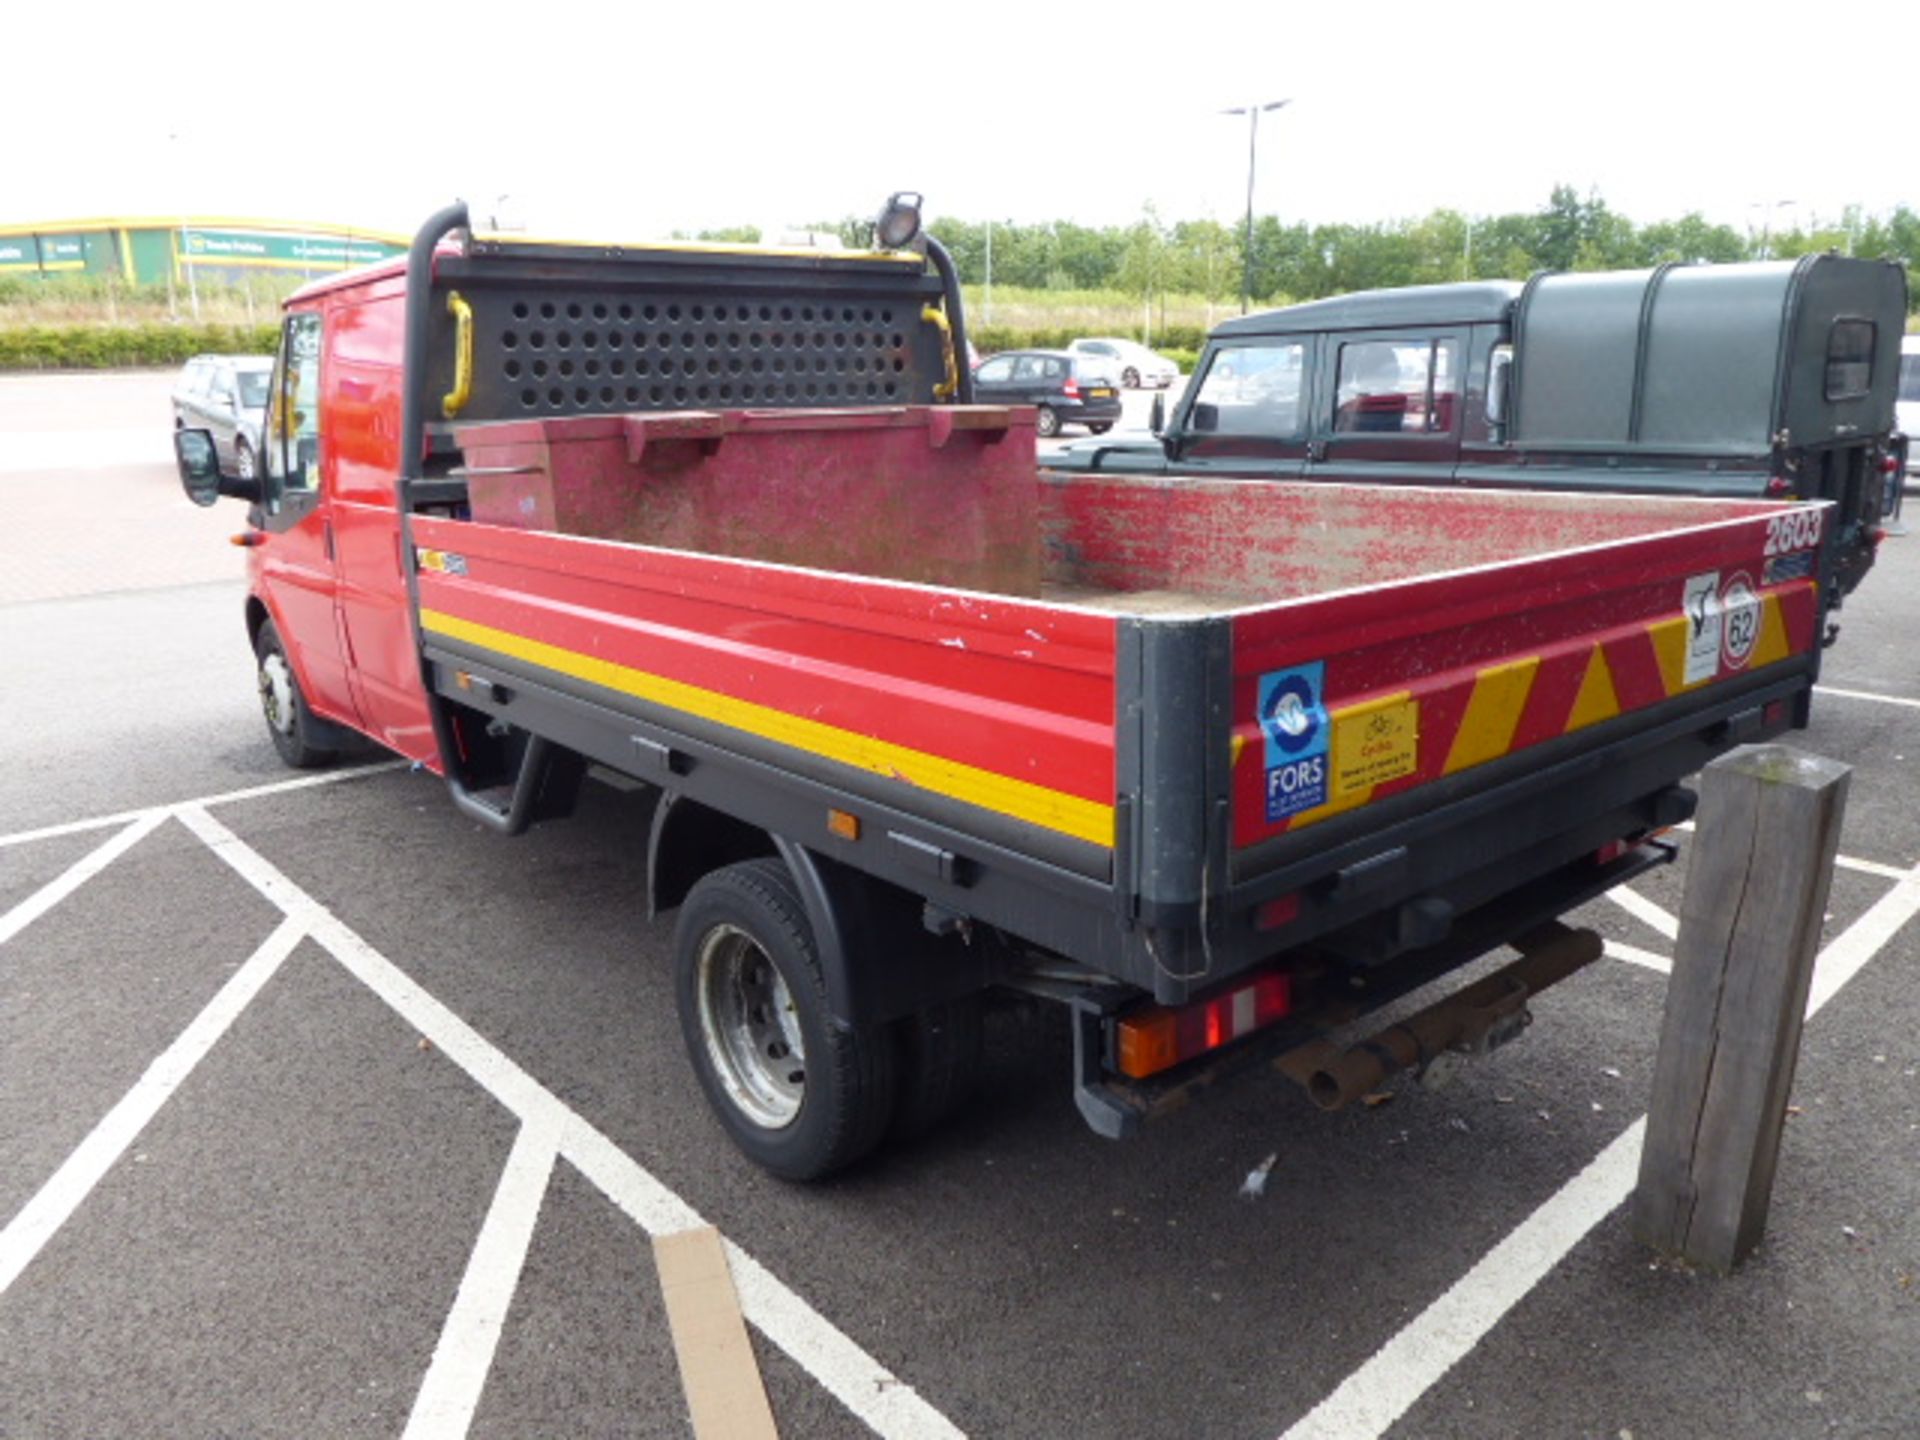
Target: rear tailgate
<point x="1413" y="735"/>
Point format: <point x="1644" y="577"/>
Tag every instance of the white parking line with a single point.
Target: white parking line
<point x="458" y="1373"/>
<point x="76" y="875"/>
<point x="1383" y="1389"/>
<point x="1634" y="955"/>
<point x="157" y="812"/>
<point x="1867" y="695"/>
<point x="886" y="1404"/>
<point x="55" y="1201"/>
<point x="1645" y="911"/>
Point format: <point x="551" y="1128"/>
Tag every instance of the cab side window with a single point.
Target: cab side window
<point x="1255" y="389"/>
<point x="1397" y="387"/>
<point x="293" y="416"/>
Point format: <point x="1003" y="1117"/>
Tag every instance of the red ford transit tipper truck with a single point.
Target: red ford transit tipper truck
<point x="1212" y="763"/>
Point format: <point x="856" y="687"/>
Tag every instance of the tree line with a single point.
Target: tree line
<point x="1306" y="262"/>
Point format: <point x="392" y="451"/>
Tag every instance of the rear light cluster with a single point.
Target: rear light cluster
<point x="1158" y="1037"/>
<point x="1072" y="389"/>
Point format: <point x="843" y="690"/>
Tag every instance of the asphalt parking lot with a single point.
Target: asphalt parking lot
<point x="323" y="1112"/>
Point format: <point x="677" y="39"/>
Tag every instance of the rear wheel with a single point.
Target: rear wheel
<point x="1048" y="422"/>
<point x="938" y="1052"/>
<point x="289" y="721"/>
<point x="801" y="1096"/>
<point x="1130" y="378"/>
<point x="243" y="459"/>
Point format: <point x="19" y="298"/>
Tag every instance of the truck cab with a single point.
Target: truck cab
<point x="1772" y="380"/>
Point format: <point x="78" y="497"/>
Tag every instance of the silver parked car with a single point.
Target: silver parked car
<point x="1133" y="362"/>
<point x="226" y="395"/>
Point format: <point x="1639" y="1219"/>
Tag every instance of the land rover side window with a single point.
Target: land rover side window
<point x="1499" y="366"/>
<point x="293" y="417"/>
<point x="1255" y="390"/>
<point x="1850" y="359"/>
<point x="1397" y="387"/>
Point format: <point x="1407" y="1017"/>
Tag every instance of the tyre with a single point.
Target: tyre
<point x="1130" y="378"/>
<point x="289" y="721"/>
<point x="1102" y="427"/>
<point x="801" y="1096"/>
<point x="938" y="1055"/>
<point x="243" y="464"/>
<point x="1048" y="422"/>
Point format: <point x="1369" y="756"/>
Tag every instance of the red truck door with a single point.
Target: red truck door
<point x="365" y="343"/>
<point x="297" y="578"/>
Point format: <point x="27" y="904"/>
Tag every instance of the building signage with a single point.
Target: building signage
<point x="277" y="249"/>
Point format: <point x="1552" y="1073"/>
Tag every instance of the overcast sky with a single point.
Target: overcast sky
<point x="631" y="120"/>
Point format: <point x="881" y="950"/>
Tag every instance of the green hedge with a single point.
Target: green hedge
<point x="106" y="347"/>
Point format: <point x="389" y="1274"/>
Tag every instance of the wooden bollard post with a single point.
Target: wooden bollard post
<point x="1757" y="883"/>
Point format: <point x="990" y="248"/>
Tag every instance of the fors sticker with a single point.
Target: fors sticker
<point x="1293" y="727"/>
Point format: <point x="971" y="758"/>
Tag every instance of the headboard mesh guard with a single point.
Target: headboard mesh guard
<point x="571" y="331"/>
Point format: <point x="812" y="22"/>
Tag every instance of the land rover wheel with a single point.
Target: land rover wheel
<point x="801" y="1096"/>
<point x="289" y="721"/>
<point x="1048" y="422"/>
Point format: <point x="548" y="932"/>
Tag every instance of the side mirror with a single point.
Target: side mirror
<point x="199" y="466"/>
<point x="1157" y="419"/>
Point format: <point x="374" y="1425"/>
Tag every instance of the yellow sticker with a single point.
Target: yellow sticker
<point x="1375" y="743"/>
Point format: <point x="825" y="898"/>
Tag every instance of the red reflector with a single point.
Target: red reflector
<point x="1779" y="485"/>
<point x="1609" y="852"/>
<point x="1889" y="464"/>
<point x="1274" y="913"/>
<point x="1775" y="713"/>
<point x="1156" y="1037"/>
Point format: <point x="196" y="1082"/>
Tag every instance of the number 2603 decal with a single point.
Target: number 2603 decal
<point x="1796" y="530"/>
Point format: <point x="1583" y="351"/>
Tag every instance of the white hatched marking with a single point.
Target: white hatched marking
<point x="1645" y="911"/>
<point x="450" y="1393"/>
<point x="1634" y="955"/>
<point x="1867" y="695"/>
<point x="76" y="875"/>
<point x="1383" y="1389"/>
<point x="54" y="1203"/>
<point x="251" y="792"/>
<point x="866" y="1387"/>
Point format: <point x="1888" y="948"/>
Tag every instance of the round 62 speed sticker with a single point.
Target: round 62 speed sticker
<point x="1740" y="621"/>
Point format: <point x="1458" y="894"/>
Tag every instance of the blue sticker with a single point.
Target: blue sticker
<point x="1293" y="722"/>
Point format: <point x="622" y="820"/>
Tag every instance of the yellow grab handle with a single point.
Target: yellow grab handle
<point x="462" y="313"/>
<point x="935" y="315"/>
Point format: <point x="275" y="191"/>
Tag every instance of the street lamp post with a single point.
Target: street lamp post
<point x="1766" y="209"/>
<point x="1252" y="112"/>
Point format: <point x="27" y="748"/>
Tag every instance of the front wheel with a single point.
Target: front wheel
<point x="1048" y="422"/>
<point x="801" y="1096"/>
<point x="289" y="721"/>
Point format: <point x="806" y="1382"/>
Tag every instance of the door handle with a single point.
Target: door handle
<point x="326" y="536"/>
<point x="1316" y="450"/>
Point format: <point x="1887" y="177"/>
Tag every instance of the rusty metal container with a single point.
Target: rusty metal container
<point x="941" y="495"/>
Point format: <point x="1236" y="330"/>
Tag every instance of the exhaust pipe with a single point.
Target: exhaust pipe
<point x="1474" y="1021"/>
